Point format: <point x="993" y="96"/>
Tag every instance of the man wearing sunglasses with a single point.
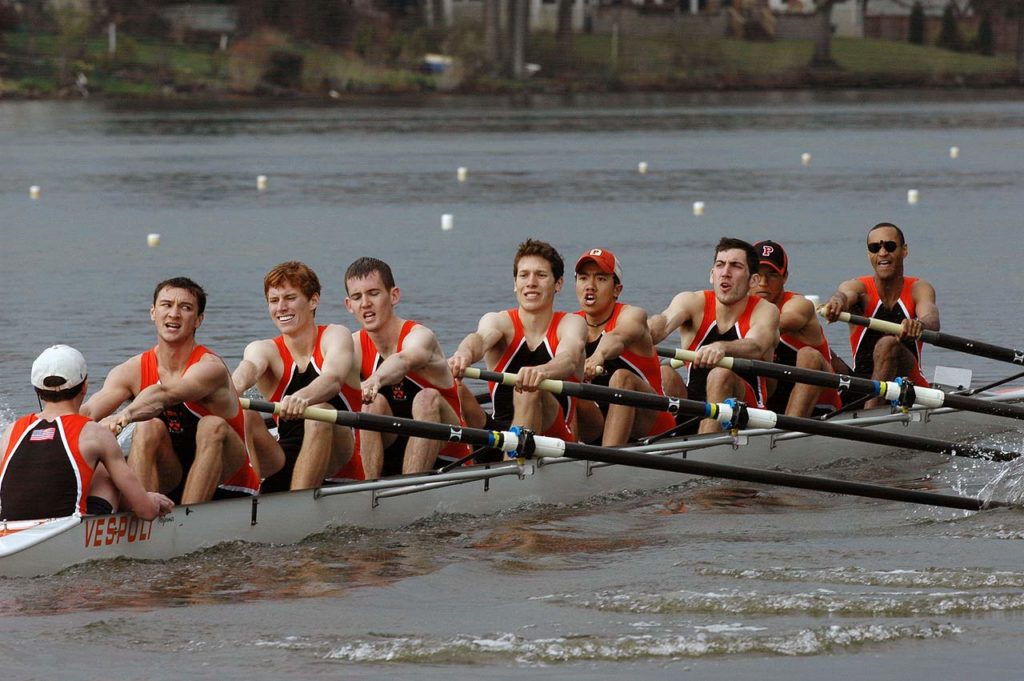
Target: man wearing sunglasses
<point x="887" y="295"/>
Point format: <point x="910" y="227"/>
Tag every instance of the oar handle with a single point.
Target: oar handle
<point x="504" y="378"/>
<point x="681" y="356"/>
<point x="879" y="325"/>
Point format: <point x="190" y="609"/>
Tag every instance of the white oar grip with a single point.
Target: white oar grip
<point x="689" y="355"/>
<point x="548" y="384"/>
<point x="879" y="325"/>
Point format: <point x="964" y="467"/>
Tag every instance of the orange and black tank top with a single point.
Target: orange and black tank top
<point x="708" y="333"/>
<point x="785" y="353"/>
<point x="400" y="395"/>
<point x="43" y="474"/>
<point x="182" y="421"/>
<point x="647" y="368"/>
<point x="518" y="355"/>
<point x="863" y="339"/>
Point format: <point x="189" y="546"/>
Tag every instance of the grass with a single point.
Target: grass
<point x="144" y="67"/>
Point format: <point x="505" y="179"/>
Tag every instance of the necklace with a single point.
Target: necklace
<point x="600" y="324"/>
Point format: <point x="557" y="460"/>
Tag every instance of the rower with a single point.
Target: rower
<point x="51" y="459"/>
<point x="725" y="321"/>
<point x="403" y="371"/>
<point x="190" y="439"/>
<point x="532" y="340"/>
<point x="802" y="342"/>
<point x="889" y="295"/>
<point x="619" y="354"/>
<point x="308" y="364"/>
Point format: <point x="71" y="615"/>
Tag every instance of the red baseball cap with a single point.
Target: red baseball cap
<point x="772" y="253"/>
<point x="604" y="259"/>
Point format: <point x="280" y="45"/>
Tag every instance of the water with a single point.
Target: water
<point x="704" y="580"/>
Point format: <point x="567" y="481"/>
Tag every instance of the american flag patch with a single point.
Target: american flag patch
<point x="43" y="435"/>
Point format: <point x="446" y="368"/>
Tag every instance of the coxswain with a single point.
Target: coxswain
<point x="59" y="463"/>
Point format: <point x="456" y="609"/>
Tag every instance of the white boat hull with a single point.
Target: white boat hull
<point x="288" y="517"/>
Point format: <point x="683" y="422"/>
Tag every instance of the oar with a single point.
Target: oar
<point x="942" y="340"/>
<point x="899" y="392"/>
<point x="732" y="415"/>
<point x="527" y="445"/>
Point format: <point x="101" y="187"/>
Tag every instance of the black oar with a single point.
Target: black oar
<point x="743" y="417"/>
<point x="901" y="393"/>
<point x="942" y="340"/>
<point x="527" y="445"/>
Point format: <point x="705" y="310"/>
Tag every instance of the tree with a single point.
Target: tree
<point x="949" y="34"/>
<point x="822" y="57"/>
<point x="985" y="42"/>
<point x="915" y="28"/>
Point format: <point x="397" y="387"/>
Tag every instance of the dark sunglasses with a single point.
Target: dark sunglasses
<point x="890" y="246"/>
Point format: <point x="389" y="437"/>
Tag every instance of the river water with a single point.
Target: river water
<point x="705" y="580"/>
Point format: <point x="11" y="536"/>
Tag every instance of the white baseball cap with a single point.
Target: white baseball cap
<point x="59" y="367"/>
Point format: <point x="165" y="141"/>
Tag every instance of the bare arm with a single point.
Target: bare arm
<point x="337" y="347"/>
<point x="419" y="349"/>
<point x="254" y="364"/>
<point x="489" y="332"/>
<point x="680" y="311"/>
<point x="630" y="328"/>
<point x="924" y="303"/>
<point x="849" y="294"/>
<point x="200" y="381"/>
<point x="119" y="386"/>
<point x="796" y="315"/>
<point x="146" y="505"/>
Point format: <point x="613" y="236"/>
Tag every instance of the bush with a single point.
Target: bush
<point x="915" y="32"/>
<point x="285" y="69"/>
<point x="949" y="35"/>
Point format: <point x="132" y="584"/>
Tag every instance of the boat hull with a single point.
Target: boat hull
<point x="288" y="517"/>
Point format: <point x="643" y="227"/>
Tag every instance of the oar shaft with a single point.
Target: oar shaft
<point x="890" y="390"/>
<point x="706" y="469"/>
<point x="547" y="446"/>
<point x="761" y="418"/>
<point x="942" y="340"/>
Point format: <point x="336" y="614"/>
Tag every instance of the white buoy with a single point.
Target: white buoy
<point x="698" y="208"/>
<point x="261" y="182"/>
<point x="447" y="222"/>
<point x="912" y="196"/>
<point x="461" y="173"/>
<point x="805" y="159"/>
<point x="33" y="192"/>
<point x="153" y="240"/>
<point x="954" y="152"/>
<point x="641" y="167"/>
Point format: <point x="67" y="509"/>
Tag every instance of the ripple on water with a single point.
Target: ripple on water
<point x="952" y="578"/>
<point x="820" y="602"/>
<point x="702" y="642"/>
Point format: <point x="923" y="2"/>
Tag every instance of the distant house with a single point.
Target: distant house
<point x="201" y="18"/>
